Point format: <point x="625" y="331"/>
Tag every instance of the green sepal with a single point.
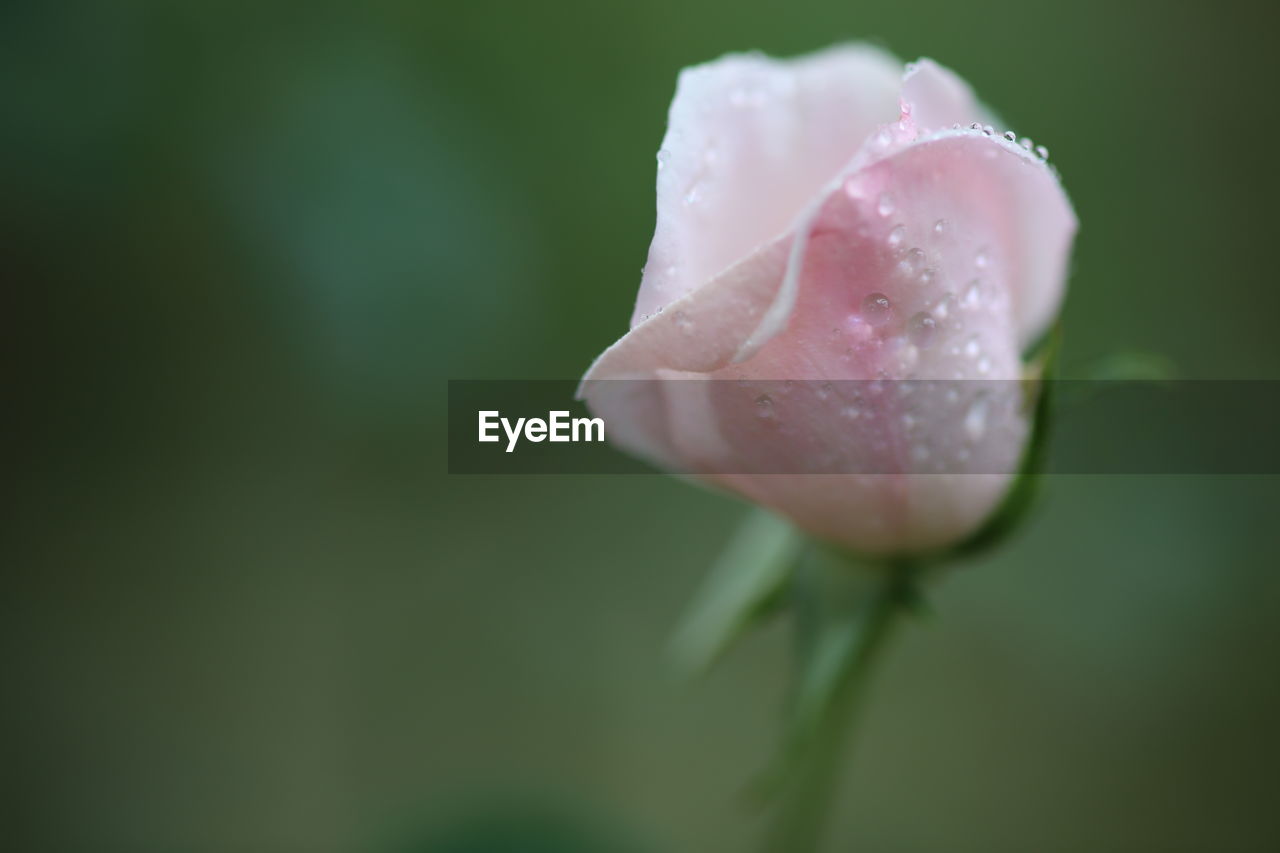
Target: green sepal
<point x="746" y="585"/>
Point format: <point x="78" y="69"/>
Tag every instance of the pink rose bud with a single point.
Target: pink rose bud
<point x="822" y="223"/>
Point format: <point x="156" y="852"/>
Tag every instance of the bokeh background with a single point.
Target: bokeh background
<point x="245" y="608"/>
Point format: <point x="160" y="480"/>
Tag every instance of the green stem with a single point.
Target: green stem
<point x="814" y="778"/>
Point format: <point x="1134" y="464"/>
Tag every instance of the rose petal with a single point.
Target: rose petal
<point x="939" y="98"/>
<point x="750" y="142"/>
<point x="974" y="208"/>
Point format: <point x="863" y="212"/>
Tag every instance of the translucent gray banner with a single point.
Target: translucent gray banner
<point x="788" y="427"/>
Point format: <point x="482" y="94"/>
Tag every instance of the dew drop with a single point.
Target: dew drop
<point x="988" y="129"/>
<point x="984" y="365"/>
<point x="971" y="348"/>
<point x="973" y="294"/>
<point x="858" y="329"/>
<point x="975" y="126"/>
<point x="1042" y="152"/>
<point x="922" y="328"/>
<point x="943" y="308"/>
<point x="939" y="226"/>
<point x="914" y="260"/>
<point x="975" y="420"/>
<point x="927" y="275"/>
<point x="764" y="406"/>
<point x="1025" y="142"/>
<point x="980" y="259"/>
<point x="824" y="391"/>
<point x="885" y="206"/>
<point x="1010" y="135"/>
<point x="877" y="309"/>
<point x="897" y="235"/>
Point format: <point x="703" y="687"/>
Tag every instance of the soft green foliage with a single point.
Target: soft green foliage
<point x="746" y="585"/>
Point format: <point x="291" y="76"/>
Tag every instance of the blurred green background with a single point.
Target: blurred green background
<point x="245" y="609"/>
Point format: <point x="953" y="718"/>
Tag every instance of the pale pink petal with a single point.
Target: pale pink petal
<point x="962" y="228"/>
<point x="938" y="98"/>
<point x="631" y="384"/>
<point x="750" y="142"/>
<point x="703" y="330"/>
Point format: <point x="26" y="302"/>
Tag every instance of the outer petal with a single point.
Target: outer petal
<point x="939" y="98"/>
<point x="750" y="141"/>
<point x="949" y="226"/>
<point x="936" y="99"/>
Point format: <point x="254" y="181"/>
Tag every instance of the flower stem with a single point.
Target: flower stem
<point x="818" y="756"/>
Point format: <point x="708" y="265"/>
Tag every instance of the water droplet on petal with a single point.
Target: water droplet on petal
<point x="973" y="294"/>
<point x="764" y="406"/>
<point x="988" y="129"/>
<point x="939" y="226"/>
<point x="683" y="323"/>
<point x="1010" y="135"/>
<point x="980" y="259"/>
<point x="885" y="205"/>
<point x="850" y="412"/>
<point x="1025" y="142"/>
<point x="824" y="391"/>
<point x="897" y="235"/>
<point x="971" y="347"/>
<point x="975" y="420"/>
<point x="913" y="261"/>
<point x="943" y="308"/>
<point x="1042" y="152"/>
<point x="877" y="309"/>
<point x="921" y="328"/>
